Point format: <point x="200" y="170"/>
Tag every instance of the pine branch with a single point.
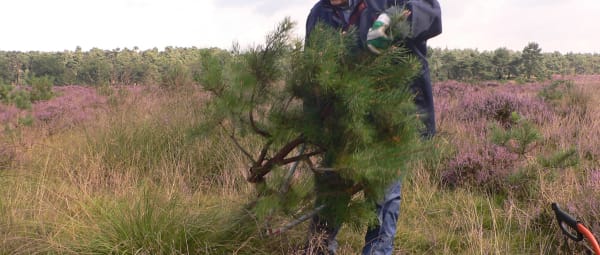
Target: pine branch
<point x="263" y="153"/>
<point x="318" y="169"/>
<point x="255" y="128"/>
<point x="259" y="170"/>
<point x="301" y="157"/>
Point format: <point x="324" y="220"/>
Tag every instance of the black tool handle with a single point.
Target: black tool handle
<point x="563" y="219"/>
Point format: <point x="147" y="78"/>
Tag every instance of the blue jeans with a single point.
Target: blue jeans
<point x="379" y="240"/>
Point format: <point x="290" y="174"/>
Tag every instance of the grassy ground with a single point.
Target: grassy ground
<point x="134" y="178"/>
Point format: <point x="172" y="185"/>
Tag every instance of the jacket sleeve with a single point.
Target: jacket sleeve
<point x="311" y="21"/>
<point x="426" y="19"/>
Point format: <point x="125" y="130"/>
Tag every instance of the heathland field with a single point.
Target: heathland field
<point x="125" y="170"/>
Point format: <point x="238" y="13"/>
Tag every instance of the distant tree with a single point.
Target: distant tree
<point x="51" y="65"/>
<point x="17" y="67"/>
<point x="450" y="69"/>
<point x="501" y="61"/>
<point x="556" y="63"/>
<point x="73" y="61"/>
<point x="174" y="66"/>
<point x="514" y="67"/>
<point x="4" y="68"/>
<point x="596" y="64"/>
<point x="150" y="59"/>
<point x="481" y="66"/>
<point x="532" y="61"/>
<point x="434" y="58"/>
<point x="95" y="68"/>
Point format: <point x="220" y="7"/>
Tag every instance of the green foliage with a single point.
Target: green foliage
<point x="41" y="88"/>
<point x="566" y="98"/>
<point x="95" y="68"/>
<point x="524" y="184"/>
<point x="21" y="98"/>
<point x="556" y="90"/>
<point x="560" y="159"/>
<point x="211" y="74"/>
<point x="400" y="28"/>
<point x="519" y="137"/>
<point x="353" y="108"/>
<point x="5" y="92"/>
<point x="504" y="64"/>
<point x="140" y="147"/>
<point x="149" y="223"/>
<point x="501" y="61"/>
<point x="50" y="65"/>
<point x="26" y="120"/>
<point x="182" y="65"/>
<point x="439" y="152"/>
<point x="176" y="75"/>
<point x="532" y="62"/>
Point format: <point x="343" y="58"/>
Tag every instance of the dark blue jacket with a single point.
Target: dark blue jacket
<point x="425" y="23"/>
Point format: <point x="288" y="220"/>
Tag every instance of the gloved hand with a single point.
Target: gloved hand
<point x="377" y="37"/>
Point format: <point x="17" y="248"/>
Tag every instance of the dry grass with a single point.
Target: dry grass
<point x="134" y="179"/>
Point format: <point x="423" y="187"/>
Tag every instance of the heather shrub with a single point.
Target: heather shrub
<point x="73" y="105"/>
<point x="8" y="113"/>
<point x="499" y="106"/>
<point x="451" y="88"/>
<point x="485" y="169"/>
<point x="463" y="169"/>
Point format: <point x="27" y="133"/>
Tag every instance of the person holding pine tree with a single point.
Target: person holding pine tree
<point x="371" y="20"/>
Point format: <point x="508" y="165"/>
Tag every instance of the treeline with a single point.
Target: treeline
<point x="505" y="64"/>
<point x="169" y="67"/>
<point x="180" y="66"/>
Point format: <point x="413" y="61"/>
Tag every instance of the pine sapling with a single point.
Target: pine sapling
<point x="338" y="111"/>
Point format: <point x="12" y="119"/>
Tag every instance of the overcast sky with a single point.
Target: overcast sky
<point x="57" y="25"/>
